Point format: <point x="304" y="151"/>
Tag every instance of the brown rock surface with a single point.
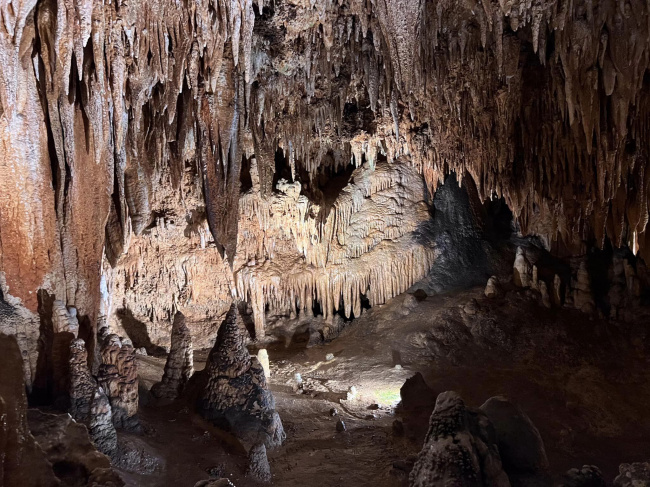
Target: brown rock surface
<point x="180" y="364"/>
<point x="118" y="377"/>
<point x="236" y="397"/>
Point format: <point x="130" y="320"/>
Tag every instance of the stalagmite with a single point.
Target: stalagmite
<point x="521" y="275"/>
<point x="180" y="362"/>
<point x="456" y="433"/>
<point x="83" y="385"/>
<point x="492" y="288"/>
<point x="118" y="377"/>
<point x="263" y="357"/>
<point x="236" y="397"/>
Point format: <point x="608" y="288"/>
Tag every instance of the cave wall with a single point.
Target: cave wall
<point x="117" y="118"/>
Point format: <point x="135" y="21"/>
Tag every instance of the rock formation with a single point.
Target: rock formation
<point x="633" y="474"/>
<point x="236" y="397"/>
<point x="180" y="362"/>
<point x="258" y="464"/>
<point x="459" y="449"/>
<point x="83" y="385"/>
<point x="88" y="402"/>
<point x="519" y="442"/>
<point x="22" y="462"/>
<point x="492" y="288"/>
<point x="118" y="378"/>
<point x="587" y="476"/>
<point x="522" y="270"/>
<point x="163" y="156"/>
<point x="66" y="443"/>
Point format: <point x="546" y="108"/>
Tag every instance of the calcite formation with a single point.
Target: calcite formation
<point x="459" y="449"/>
<point x="118" y="378"/>
<point x="89" y="403"/>
<point x="128" y="129"/>
<point x="236" y="397"/>
<point x="180" y="362"/>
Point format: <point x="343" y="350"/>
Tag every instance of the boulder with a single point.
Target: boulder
<point x="520" y="444"/>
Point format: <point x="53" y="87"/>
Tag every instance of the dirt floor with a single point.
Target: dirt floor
<point x="583" y="382"/>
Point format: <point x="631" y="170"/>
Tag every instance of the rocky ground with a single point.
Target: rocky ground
<point x="582" y="381"/>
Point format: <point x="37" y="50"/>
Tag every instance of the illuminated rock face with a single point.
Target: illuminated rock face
<point x="166" y="156"/>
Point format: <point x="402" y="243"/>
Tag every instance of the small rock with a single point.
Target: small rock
<point x="334" y="412"/>
<point x="340" y="426"/>
<point x="410" y="302"/>
<point x="374" y="407"/>
<point x="398" y="367"/>
<point x="141" y="351"/>
<point x="352" y="393"/>
<point x="329" y="356"/>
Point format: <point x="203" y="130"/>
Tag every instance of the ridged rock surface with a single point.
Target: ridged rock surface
<point x="224" y="136"/>
<point x="180" y="362"/>
<point x="236" y="397"/>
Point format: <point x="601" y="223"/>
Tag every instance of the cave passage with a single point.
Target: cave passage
<point x="391" y="243"/>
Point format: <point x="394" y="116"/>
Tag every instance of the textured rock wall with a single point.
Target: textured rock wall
<point x="116" y="119"/>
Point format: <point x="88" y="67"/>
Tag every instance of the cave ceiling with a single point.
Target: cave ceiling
<point x="120" y="121"/>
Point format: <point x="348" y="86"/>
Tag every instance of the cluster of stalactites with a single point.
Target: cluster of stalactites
<point x="292" y="255"/>
<point x="543" y="103"/>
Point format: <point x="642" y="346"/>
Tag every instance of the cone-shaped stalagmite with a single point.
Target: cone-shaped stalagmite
<point x="180" y="362"/>
<point x="236" y="397"/>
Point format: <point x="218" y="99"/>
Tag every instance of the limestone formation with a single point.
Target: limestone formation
<point x="520" y="444"/>
<point x="22" y="462"/>
<point x="236" y="397"/>
<point x="100" y="425"/>
<point x="118" y="377"/>
<point x="88" y="402"/>
<point x="258" y="464"/>
<point x="557" y="296"/>
<point x="521" y="275"/>
<point x="459" y="449"/>
<point x="66" y="442"/>
<point x="633" y="475"/>
<point x="587" y="476"/>
<point x="180" y="362"/>
<point x="83" y="385"/>
<point x="543" y="290"/>
<point x="492" y="288"/>
<point x="263" y="357"/>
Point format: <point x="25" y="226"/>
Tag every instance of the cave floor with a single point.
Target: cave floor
<point x="584" y="383"/>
